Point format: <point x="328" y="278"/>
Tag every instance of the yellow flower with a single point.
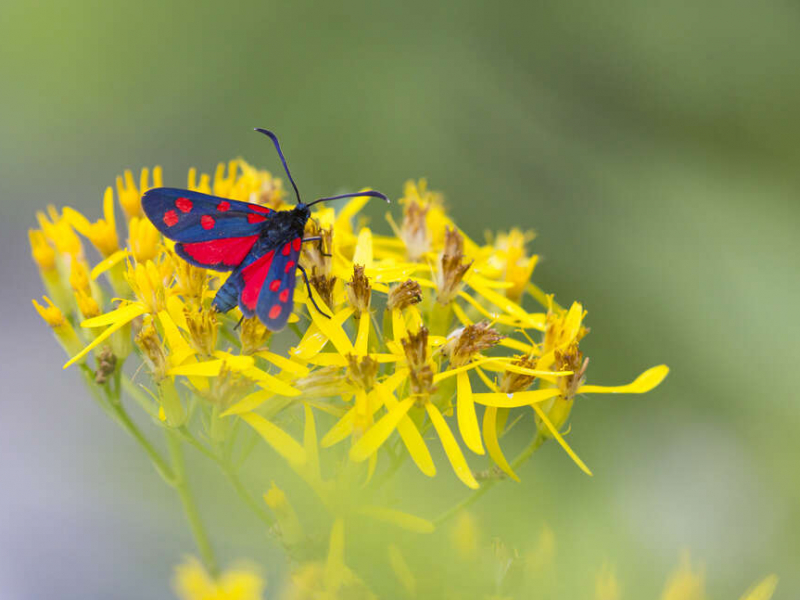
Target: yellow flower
<point x="148" y="282"/>
<point x="58" y="230"/>
<point x="103" y="232"/>
<point x="606" y="586"/>
<point x="43" y="253"/>
<point x="143" y="239"/>
<point x="130" y="197"/>
<point x="192" y="582"/>
<point x="686" y="583"/>
<point x="512" y="263"/>
<point x="331" y="580"/>
<point x="53" y="316"/>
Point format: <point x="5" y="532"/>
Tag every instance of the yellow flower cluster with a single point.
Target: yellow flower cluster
<point x="430" y="332"/>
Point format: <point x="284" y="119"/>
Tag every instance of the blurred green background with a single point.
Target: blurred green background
<point x="653" y="147"/>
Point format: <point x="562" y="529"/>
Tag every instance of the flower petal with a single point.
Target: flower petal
<point x="332" y="328"/>
<point x="492" y="443"/>
<point x="561" y="440"/>
<point x="369" y="443"/>
<point x="335" y="569"/>
<point x="363" y="335"/>
<point x="401" y="570"/>
<point x="312" y="343"/>
<point x="284" y="364"/>
<point x="248" y="403"/>
<point x="340" y="430"/>
<point x="516" y="399"/>
<point x="310" y="443"/>
<point x="409" y="433"/>
<point x="396" y="517"/>
<point x="465" y="411"/>
<point x="125" y="314"/>
<point x="281" y="442"/>
<point x="363" y="252"/>
<point x="271" y="382"/>
<point x="107" y="263"/>
<point x="128" y="317"/>
<point x="763" y="590"/>
<point x="643" y="383"/>
<point x="451" y="448"/>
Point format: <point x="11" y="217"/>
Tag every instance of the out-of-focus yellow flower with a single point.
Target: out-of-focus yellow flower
<point x="143" y="239"/>
<point x="42" y="252"/>
<point x="465" y="536"/>
<point x="606" y="586"/>
<point x="763" y="590"/>
<point x="103" y="232"/>
<point x="331" y="580"/>
<point x="192" y="582"/>
<point x="58" y="230"/>
<point x="87" y="305"/>
<point x="686" y="583"/>
<point x="130" y="196"/>
<point x="511" y="261"/>
<point x="291" y="531"/>
<point x="149" y="283"/>
<point x="53" y="316"/>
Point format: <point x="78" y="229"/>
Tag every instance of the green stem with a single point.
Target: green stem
<point x="230" y="472"/>
<point x="189" y="506"/>
<point x="244" y="494"/>
<point x="521" y="458"/>
<point x="128" y="425"/>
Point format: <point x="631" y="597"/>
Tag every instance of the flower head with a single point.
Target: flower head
<point x="192" y="582"/>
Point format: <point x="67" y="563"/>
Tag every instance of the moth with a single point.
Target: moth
<point x="260" y="246"/>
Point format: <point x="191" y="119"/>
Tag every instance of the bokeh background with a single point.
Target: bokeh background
<point x="652" y="145"/>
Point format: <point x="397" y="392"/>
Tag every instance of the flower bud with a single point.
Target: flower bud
<point x="291" y="531"/>
<point x="66" y="335"/>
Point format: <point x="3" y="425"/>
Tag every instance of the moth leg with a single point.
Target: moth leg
<point x="310" y="295"/>
<point x="317" y="238"/>
<point x="235" y="327"/>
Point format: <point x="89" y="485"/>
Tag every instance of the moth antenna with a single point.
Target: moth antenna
<point x="275" y="141"/>
<point x="370" y="193"/>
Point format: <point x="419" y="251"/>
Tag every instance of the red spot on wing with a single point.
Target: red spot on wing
<point x="275" y="311"/>
<point x="275" y="285"/>
<point x="286" y="249"/>
<point x="254" y="218"/>
<point x="227" y="251"/>
<point x="284" y="295"/>
<point x="223" y="206"/>
<point x="289" y="266"/>
<point x="259" y="208"/>
<point x="170" y="218"/>
<point x="296" y="244"/>
<point x="254" y="276"/>
<point x="207" y="221"/>
<point x="184" y="204"/>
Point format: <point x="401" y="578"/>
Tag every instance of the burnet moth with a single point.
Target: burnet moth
<point x="259" y="245"/>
